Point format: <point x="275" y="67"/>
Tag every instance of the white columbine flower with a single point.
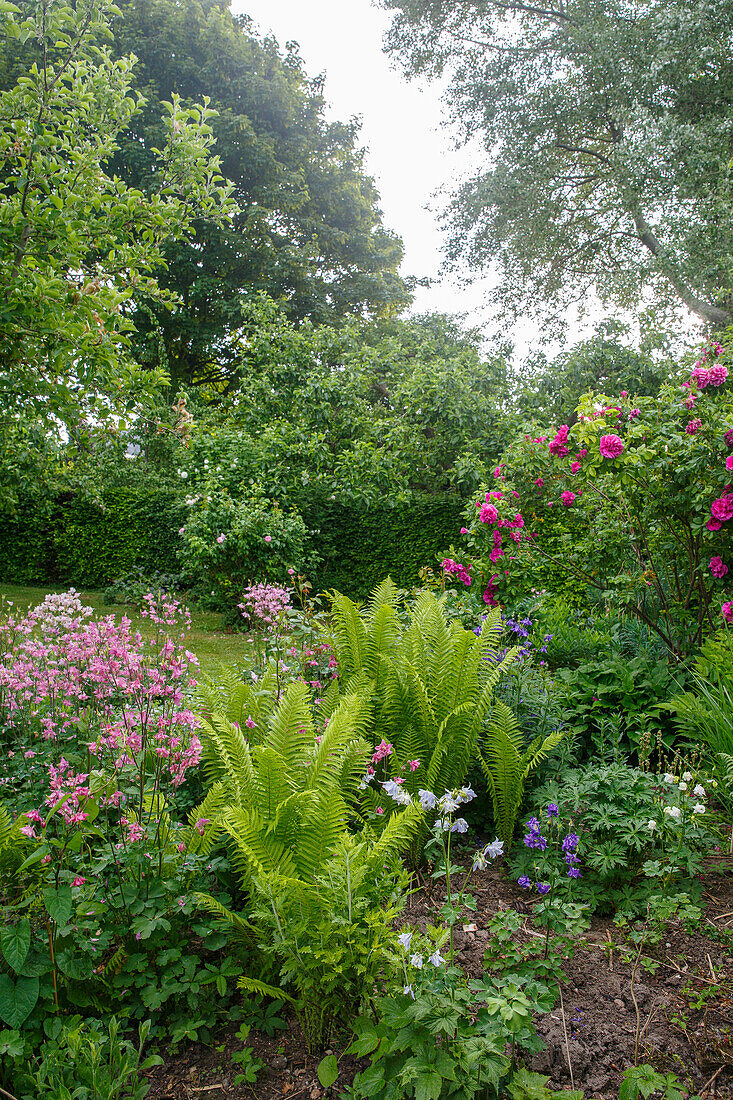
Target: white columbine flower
<point x="651" y="824"/>
<point x="395" y="791"/>
<point x="673" y="812"/>
<point x="699" y="791"/>
<point x="669" y="778"/>
<point x="495" y="849"/>
<point x="683" y="786"/>
<point x="460" y="825"/>
<point x="448" y="804"/>
<point x="698" y="808"/>
<point x="408" y="991"/>
<point x="404" y="940"/>
<point x="437" y="959"/>
<point x="417" y="961"/>
<point x="479" y="861"/>
<point x="427" y="800"/>
<point x="466" y="794"/>
<point x="687" y="776"/>
<point x="442" y="824"/>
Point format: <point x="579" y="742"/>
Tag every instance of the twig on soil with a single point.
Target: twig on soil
<point x="565" y="1032"/>
<point x="709" y="1083"/>
<point x="610" y="950"/>
<point x="712" y="969"/>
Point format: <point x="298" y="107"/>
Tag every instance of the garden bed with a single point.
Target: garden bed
<point x="685" y="1009"/>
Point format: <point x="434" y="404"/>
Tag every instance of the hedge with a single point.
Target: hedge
<point x="85" y="545"/>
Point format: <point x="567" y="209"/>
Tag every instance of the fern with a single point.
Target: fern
<point x="506" y="764"/>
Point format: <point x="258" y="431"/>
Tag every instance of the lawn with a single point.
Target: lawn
<point x="208" y="639"/>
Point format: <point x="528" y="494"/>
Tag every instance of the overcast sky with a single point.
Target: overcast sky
<point x="409" y="153"/>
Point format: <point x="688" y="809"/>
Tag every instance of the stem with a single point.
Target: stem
<point x="53" y="966"/>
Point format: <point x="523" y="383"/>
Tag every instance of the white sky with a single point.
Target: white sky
<point x="409" y="154"/>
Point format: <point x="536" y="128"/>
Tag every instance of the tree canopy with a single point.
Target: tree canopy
<point x="309" y="231"/>
<point x="607" y="129"/>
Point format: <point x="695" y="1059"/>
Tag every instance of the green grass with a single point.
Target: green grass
<point x="207" y="638"/>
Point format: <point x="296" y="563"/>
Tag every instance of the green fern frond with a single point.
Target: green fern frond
<point x="225" y="917"/>
<point x="262" y="989"/>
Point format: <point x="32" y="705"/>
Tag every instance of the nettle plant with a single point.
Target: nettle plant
<point x="649" y="481"/>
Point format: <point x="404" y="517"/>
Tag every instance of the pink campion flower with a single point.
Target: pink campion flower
<point x="717" y="567"/>
<point x="611" y="446"/>
<point x="713" y="525"/>
<point x="722" y="508"/>
<point x="46" y="859"/>
<point x="727" y="611"/>
<point x="268" y="538"/>
<point x="693" y="426"/>
<point x="540" y="482"/>
<point x="488" y="514"/>
<point x="717" y="375"/>
<point x="574" y="467"/>
<point x="701" y="376"/>
<point x="135" y="831"/>
<point x="220" y="539"/>
<point x="567" y="498"/>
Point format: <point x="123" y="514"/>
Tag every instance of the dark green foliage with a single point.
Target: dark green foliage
<point x="139" y="527"/>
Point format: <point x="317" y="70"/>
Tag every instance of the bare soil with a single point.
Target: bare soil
<point x="682" y="1012"/>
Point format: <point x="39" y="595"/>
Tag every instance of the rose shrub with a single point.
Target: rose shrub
<point x="652" y="500"/>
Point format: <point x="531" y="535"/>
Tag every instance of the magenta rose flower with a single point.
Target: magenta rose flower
<point x="693" y="426"/>
<point x="727" y="611"/>
<point x="611" y="446"/>
<point x="722" y="508"/>
<point x="717" y="567"/>
<point x="488" y="514"/>
<point x="717" y="375"/>
<point x="567" y="498"/>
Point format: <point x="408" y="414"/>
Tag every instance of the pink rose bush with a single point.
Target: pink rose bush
<point x="645" y="493"/>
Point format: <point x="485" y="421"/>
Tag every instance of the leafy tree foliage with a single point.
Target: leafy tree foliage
<point x="76" y="243"/>
<point x="607" y="127"/>
<point x="308" y="231"/>
<point x="365" y="411"/>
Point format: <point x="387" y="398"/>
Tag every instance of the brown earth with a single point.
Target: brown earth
<point x="683" y="1011"/>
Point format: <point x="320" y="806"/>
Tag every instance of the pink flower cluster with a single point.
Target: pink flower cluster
<point x="461" y="571"/>
<point x="559" y="445"/>
<point x="262" y="606"/>
<point x="718" y="567"/>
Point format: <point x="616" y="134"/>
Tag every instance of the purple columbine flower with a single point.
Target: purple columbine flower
<point x="574" y="872"/>
<point x="524" y="882"/>
<point x="543" y="887"/>
<point x="553" y="810"/>
<point x="570" y="843"/>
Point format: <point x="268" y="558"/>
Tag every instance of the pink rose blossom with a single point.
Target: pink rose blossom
<point x="693" y="426"/>
<point x="722" y="508"/>
<point x="729" y="462"/>
<point x="729" y="437"/>
<point x="488" y="514"/>
<point x="717" y="567"/>
<point x="701" y="376"/>
<point x="559" y="445"/>
<point x="634" y="413"/>
<point x="717" y="375"/>
<point x="727" y="611"/>
<point x="220" y="539"/>
<point x="574" y="467"/>
<point x="567" y="499"/>
<point x="713" y="525"/>
<point x="540" y="482"/>
<point x="611" y="446"/>
<point x="268" y="538"/>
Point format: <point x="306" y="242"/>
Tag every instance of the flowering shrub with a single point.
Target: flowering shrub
<point x="228" y="545"/>
<point x="652" y="493"/>
<point x="113" y="740"/>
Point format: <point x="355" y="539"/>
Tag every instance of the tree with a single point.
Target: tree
<point x="308" y="232"/>
<point x="607" y="128"/>
<point x="76" y="243"/>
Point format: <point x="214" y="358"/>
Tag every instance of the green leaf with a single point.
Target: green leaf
<point x="17" y="999"/>
<point x="328" y="1070"/>
<point x="15" y="942"/>
<point x="428" y="1086"/>
<point x="58" y="904"/>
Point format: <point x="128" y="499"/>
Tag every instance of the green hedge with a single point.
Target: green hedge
<point x="82" y="544"/>
<point x="360" y="547"/>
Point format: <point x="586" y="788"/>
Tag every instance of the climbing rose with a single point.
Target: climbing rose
<point x="558" y="446"/>
<point x="488" y="514"/>
<point x="713" y="525"/>
<point x="717" y="375"/>
<point x="540" y="482"/>
<point x="722" y="508"/>
<point x="611" y="446"/>
<point x="634" y="413"/>
<point x="567" y="499"/>
<point x="717" y="567"/>
<point x="701" y="376"/>
<point x="574" y="467"/>
<point x="729" y="437"/>
<point x="727" y="611"/>
<point x="693" y="426"/>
